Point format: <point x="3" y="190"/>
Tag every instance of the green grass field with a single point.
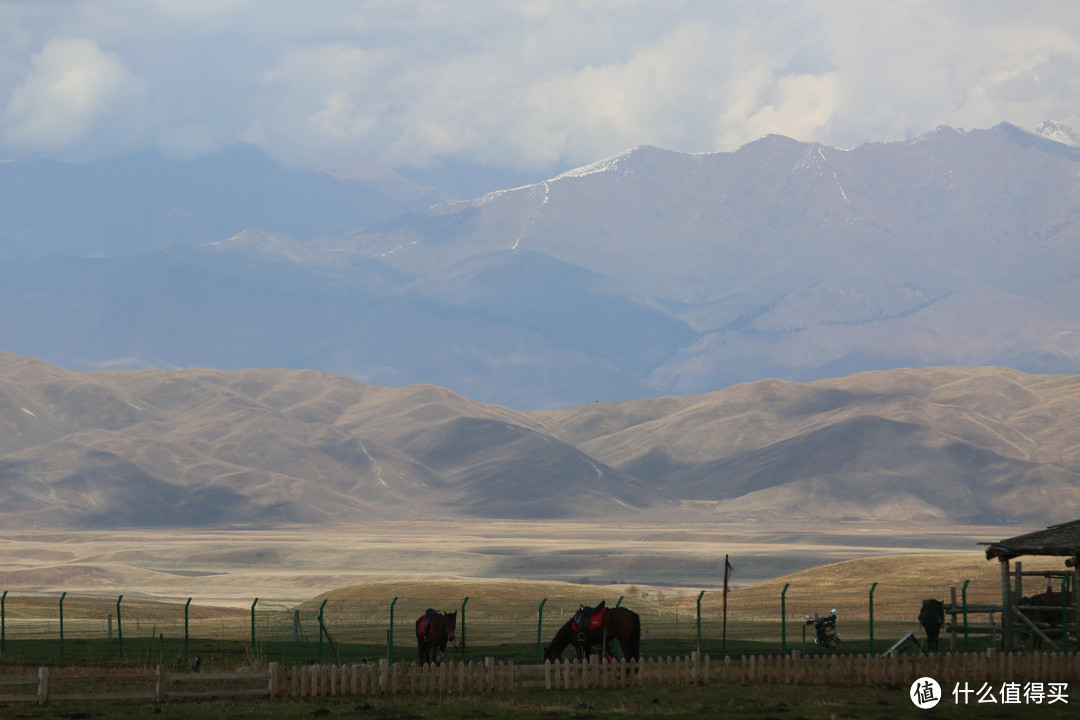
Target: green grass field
<point x="227" y="654"/>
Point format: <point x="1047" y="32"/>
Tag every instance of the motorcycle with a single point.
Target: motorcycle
<point x="825" y="633"/>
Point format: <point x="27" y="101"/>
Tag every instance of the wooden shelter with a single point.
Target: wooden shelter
<point x="1058" y="541"/>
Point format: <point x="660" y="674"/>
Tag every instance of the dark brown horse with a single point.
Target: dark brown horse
<point x="1045" y="610"/>
<point x="1049" y="604"/>
<point x="433" y="631"/>
<point x="932" y="617"/>
<point x="618" y="623"/>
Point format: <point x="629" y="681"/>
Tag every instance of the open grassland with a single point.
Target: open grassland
<point x="499" y="576"/>
<point x="360" y="578"/>
<point x="293" y="564"/>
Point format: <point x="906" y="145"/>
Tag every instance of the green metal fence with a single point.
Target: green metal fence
<point x="74" y="627"/>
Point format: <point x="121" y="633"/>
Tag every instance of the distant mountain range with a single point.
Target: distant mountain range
<point x="145" y="202"/>
<point x="650" y="273"/>
<point x="198" y="448"/>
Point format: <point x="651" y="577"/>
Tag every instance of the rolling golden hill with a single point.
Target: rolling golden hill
<point x="198" y="447"/>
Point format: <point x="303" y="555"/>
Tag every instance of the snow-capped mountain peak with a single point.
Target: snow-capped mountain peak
<point x="1059" y="133"/>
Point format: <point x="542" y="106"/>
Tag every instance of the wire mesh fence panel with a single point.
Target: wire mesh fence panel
<point x="510" y="621"/>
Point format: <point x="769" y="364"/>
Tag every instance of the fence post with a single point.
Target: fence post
<point x="963" y="599"/>
<point x="463" y="636"/>
<point x="43" y="686"/>
<point x="872" y="588"/>
<point x="618" y="602"/>
<point x="62" y="596"/>
<point x="539" y="629"/>
<point x="390" y="635"/>
<point x="119" y="627"/>
<point x="3" y="622"/>
<point x="253" y="628"/>
<point x="783" y="621"/>
<point x="322" y="627"/>
<point x="952" y="625"/>
<point x="1009" y="597"/>
<point x="1064" y="614"/>
<point x="187" y="637"/>
<point x="700" y="595"/>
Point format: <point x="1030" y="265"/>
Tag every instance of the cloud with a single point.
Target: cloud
<point x="71" y="86"/>
<point x="542" y="84"/>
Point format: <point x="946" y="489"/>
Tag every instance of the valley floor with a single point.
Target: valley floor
<point x="293" y="564"/>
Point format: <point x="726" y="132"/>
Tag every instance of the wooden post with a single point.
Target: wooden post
<point x="159" y="683"/>
<point x="274" y="680"/>
<point x="43" y="685"/>
<point x="952" y="625"/>
<point x="1007" y="603"/>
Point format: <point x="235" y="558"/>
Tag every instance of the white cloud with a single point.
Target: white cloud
<point x="72" y="84"/>
<point x="799" y="106"/>
<point x="535" y="84"/>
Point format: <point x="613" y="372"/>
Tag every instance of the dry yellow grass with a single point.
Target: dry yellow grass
<point x="291" y="565"/>
<point x="301" y="569"/>
<point x="505" y="569"/>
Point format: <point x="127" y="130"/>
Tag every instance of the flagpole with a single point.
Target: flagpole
<point x="727" y="567"/>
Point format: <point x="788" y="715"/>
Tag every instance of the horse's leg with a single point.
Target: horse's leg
<point x="424" y="646"/>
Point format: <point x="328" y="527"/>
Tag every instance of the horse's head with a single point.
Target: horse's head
<point x="450" y="623"/>
<point x="550" y="656"/>
<point x="932" y="613"/>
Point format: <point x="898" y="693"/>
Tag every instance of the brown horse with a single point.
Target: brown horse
<point x="1047" y="610"/>
<point x="618" y="623"/>
<point x="932" y="617"/>
<point x="433" y="631"/>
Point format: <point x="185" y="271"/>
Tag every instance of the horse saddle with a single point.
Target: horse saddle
<point x="589" y="618"/>
<point x="426" y="621"/>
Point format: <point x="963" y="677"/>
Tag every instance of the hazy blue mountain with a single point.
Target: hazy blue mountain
<point x="648" y="273"/>
<point x="144" y="202"/>
<point x="260" y="300"/>
<point x="800" y="261"/>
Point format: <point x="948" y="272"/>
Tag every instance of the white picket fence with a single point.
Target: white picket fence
<point x="489" y="676"/>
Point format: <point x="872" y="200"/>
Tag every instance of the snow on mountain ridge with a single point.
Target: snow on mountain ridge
<point x="608" y="163"/>
<point x="1049" y="129"/>
<point x="1058" y="133"/>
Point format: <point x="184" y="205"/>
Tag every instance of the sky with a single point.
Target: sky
<point x="531" y="87"/>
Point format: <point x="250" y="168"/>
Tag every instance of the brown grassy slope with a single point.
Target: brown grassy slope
<point x="903" y="581"/>
<point x="1008" y="412"/>
<point x="200" y="447"/>
<point x="937" y="442"/>
<point x="182" y="448"/>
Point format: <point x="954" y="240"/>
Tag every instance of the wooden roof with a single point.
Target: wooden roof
<point x="1063" y="539"/>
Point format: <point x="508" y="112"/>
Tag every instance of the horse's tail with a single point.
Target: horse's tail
<point x="633" y="641"/>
